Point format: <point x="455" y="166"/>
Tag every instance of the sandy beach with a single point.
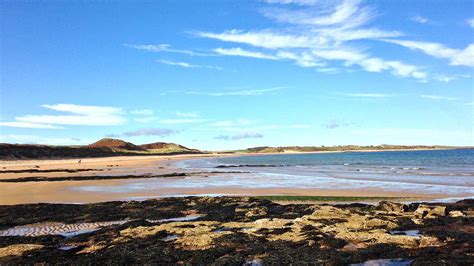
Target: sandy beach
<point x="87" y="191"/>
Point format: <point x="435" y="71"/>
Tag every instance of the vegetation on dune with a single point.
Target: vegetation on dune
<point x="267" y="149"/>
<point x="102" y="148"/>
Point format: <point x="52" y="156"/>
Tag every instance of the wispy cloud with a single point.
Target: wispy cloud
<point x="333" y="124"/>
<point x="144" y="112"/>
<point x="349" y="13"/>
<point x="256" y="92"/>
<point x="233" y="123"/>
<point x="245" y="53"/>
<point x="28" y="125"/>
<point x="239" y="136"/>
<point x="164" y="48"/>
<point x="457" y="57"/>
<point x="322" y="38"/>
<point x="296" y="2"/>
<point x="81" y="115"/>
<point x="33" y="139"/>
<point x="449" y="78"/>
<point x="438" y="98"/>
<point x="187" y="65"/>
<point x="181" y="121"/>
<point x="161" y="132"/>
<point x="419" y="19"/>
<point x="187" y="114"/>
<point x="367" y="95"/>
<point x="470" y="22"/>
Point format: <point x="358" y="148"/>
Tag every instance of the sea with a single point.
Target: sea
<point x="448" y="172"/>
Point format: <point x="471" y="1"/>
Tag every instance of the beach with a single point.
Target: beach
<point x="146" y="177"/>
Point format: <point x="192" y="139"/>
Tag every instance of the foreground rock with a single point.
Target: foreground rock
<point x="236" y="231"/>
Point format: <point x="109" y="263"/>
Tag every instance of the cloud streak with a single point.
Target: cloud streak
<point x="256" y="92"/>
<point x="457" y="57"/>
<point x="187" y="65"/>
<point x="368" y="95"/>
<point x="161" y="132"/>
<point x="419" y="19"/>
<point x="438" y="98"/>
<point x="239" y="136"/>
<point x="321" y="39"/>
<point x="76" y="115"/>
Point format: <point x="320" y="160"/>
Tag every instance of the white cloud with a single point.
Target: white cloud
<point x="349" y="13"/>
<point x="145" y="112"/>
<point x="181" y="121"/>
<point x="328" y="70"/>
<point x="321" y="39"/>
<point x="32" y="139"/>
<point x="233" y="123"/>
<point x="267" y="39"/>
<point x="237" y="93"/>
<point x="470" y="22"/>
<point x="449" y="78"/>
<point x="161" y="132"/>
<point x="368" y="95"/>
<point x="372" y="64"/>
<point x="239" y="136"/>
<point x="438" y="98"/>
<point x="296" y="2"/>
<point x="244" y="53"/>
<point x="163" y="48"/>
<point x="186" y="65"/>
<point x="82" y="115"/>
<point x="457" y="57"/>
<point x="419" y="19"/>
<point x="27" y="125"/>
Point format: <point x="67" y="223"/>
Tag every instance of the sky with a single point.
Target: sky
<point x="218" y="75"/>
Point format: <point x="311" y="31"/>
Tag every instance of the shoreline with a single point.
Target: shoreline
<point x="46" y="161"/>
<point x="154" y="168"/>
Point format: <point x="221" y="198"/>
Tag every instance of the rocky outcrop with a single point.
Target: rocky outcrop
<point x="235" y="231"/>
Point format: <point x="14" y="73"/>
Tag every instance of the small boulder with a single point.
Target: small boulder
<point x="455" y="214"/>
<point x="426" y="211"/>
<point x="257" y="212"/>
<point x="390" y="206"/>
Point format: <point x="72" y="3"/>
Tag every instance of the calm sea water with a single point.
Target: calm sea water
<point x="431" y="171"/>
<point x="447" y="173"/>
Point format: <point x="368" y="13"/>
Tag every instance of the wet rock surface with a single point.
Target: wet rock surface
<point x="239" y="231"/>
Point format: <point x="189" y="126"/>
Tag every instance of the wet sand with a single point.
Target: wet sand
<point x="74" y="192"/>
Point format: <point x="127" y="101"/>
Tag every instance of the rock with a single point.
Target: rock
<point x="456" y="214"/>
<point x="18" y="250"/>
<point x="428" y="241"/>
<point x="426" y="211"/>
<point x="390" y="206"/>
<point x="256" y="212"/>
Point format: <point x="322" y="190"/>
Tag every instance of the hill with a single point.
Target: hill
<point x="102" y="148"/>
<point x="164" y="147"/>
<point x="116" y="144"/>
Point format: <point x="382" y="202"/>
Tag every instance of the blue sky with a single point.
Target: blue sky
<point x="234" y="74"/>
